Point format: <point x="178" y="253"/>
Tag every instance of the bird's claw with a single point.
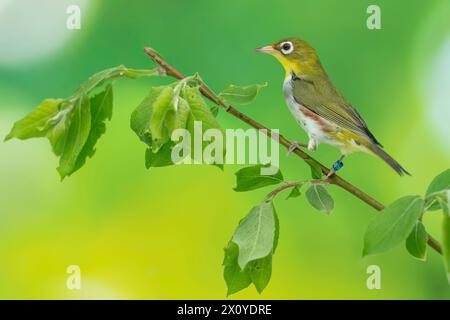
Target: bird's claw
<point x="293" y="146"/>
<point x="331" y="172"/>
<point x="336" y="166"/>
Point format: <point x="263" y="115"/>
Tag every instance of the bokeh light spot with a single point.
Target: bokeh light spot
<point x="437" y="92"/>
<point x="31" y="30"/>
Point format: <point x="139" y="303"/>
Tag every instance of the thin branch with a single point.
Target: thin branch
<point x="334" y="179"/>
<point x="289" y="185"/>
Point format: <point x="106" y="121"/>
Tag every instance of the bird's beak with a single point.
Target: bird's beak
<point x="266" y="49"/>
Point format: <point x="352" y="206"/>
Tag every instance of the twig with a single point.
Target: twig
<point x="334" y="179"/>
<point x="289" y="185"/>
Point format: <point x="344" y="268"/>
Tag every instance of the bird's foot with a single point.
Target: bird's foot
<point x="295" y="145"/>
<point x="336" y="166"/>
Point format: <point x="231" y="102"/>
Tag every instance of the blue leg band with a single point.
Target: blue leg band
<point x="338" y="165"/>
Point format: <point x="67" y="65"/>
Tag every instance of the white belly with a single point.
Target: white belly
<point x="312" y="128"/>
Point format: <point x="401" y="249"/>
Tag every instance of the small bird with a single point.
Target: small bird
<point x="319" y="108"/>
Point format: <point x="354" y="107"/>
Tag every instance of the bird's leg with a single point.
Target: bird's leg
<point x="336" y="166"/>
<point x="294" y="145"/>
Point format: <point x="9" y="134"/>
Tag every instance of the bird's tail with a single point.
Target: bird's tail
<point x="388" y="159"/>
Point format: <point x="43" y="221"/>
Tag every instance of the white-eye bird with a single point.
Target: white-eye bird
<point x="319" y="108"/>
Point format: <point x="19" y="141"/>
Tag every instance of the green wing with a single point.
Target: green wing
<point x="320" y="96"/>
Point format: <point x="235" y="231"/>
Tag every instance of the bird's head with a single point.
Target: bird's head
<point x="296" y="56"/>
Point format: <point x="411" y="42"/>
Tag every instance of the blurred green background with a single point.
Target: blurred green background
<point x="159" y="233"/>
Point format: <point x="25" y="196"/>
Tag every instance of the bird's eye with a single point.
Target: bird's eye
<point x="287" y="47"/>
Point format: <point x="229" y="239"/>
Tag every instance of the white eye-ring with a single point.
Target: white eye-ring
<point x="286" y="47"/>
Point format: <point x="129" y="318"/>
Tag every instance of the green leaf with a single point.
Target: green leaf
<point x="260" y="272"/>
<point x="416" y="243"/>
<point x="256" y="234"/>
<point x="277" y="231"/>
<point x="393" y="225"/>
<point x="141" y="116"/>
<point x="257" y="271"/>
<point x="213" y="150"/>
<point x="68" y="134"/>
<point x="440" y="183"/>
<point x="319" y="198"/>
<point x="35" y="123"/>
<point x="161" y="158"/>
<point x="235" y="278"/>
<point x="444" y="201"/>
<point x="214" y="110"/>
<point x="316" y="170"/>
<point x="67" y="124"/>
<point x="295" y="192"/>
<point x="446" y="243"/>
<point x="182" y="114"/>
<point x="74" y="125"/>
<point x="250" y="178"/>
<point x="237" y="95"/>
<point x="165" y="109"/>
<point x="138" y="73"/>
<point x="101" y="110"/>
<point x="99" y="78"/>
<point x="163" y="118"/>
<point x="199" y="110"/>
